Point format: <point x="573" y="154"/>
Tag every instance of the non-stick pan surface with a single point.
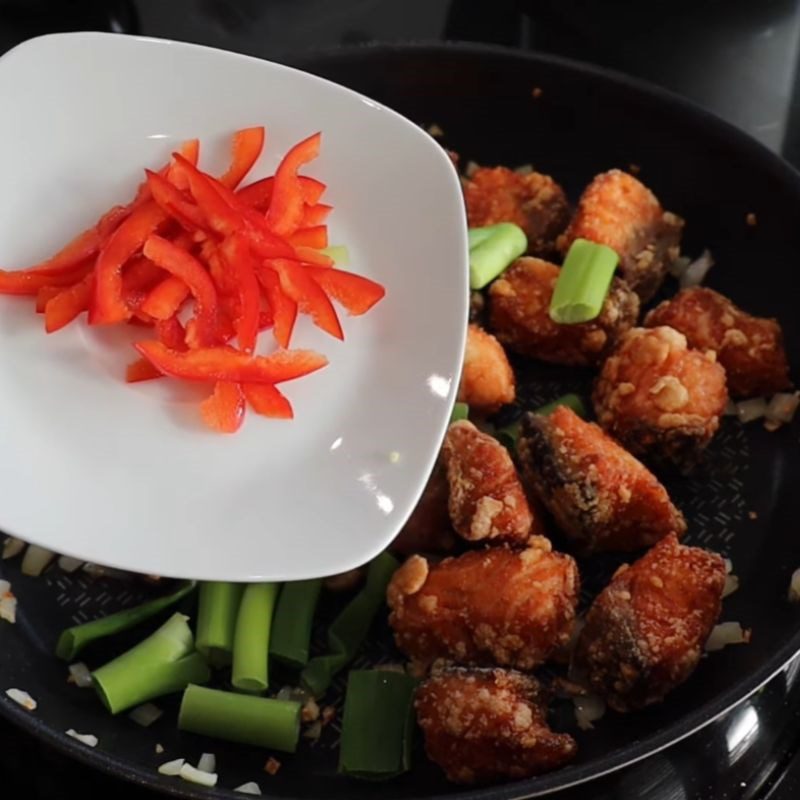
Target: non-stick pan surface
<point x="743" y="502"/>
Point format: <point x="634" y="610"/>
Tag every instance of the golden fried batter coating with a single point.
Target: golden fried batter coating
<point x="487" y="500"/>
<point x="487" y="380"/>
<point x="534" y="201"/>
<point x="617" y="210"/>
<point x="598" y="493"/>
<point x="488" y="725"/>
<point x="519" y="316"/>
<point x="749" y="348"/>
<point x="645" y="631"/>
<point x="658" y="397"/>
<point x="499" y="605"/>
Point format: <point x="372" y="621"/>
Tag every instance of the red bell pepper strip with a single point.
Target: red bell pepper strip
<point x="285" y="212"/>
<point x="283" y="308"/>
<point x="227" y="364"/>
<point x="315" y="237"/>
<point x="69" y="304"/>
<point x="236" y="254"/>
<point x="25" y="282"/>
<point x="311" y="188"/>
<point x="355" y="292"/>
<point x="171" y="334"/>
<point x="310" y="256"/>
<point x="185" y="266"/>
<point x="141" y="274"/>
<point x="190" y="150"/>
<point x="258" y="194"/>
<point x="223" y="410"/>
<point x="298" y="284"/>
<point x="247" y="146"/>
<point x="45" y="294"/>
<point x="265" y="320"/>
<point x="316" y="214"/>
<point x="268" y="401"/>
<point x="166" y="298"/>
<point x="172" y="202"/>
<point x="141" y="370"/>
<point x="108" y="304"/>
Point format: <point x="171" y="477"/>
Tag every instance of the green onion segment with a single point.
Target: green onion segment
<point x="250" y="671"/>
<point x="460" y="411"/>
<point x="492" y="249"/>
<point x="291" y="627"/>
<point x="217" y="609"/>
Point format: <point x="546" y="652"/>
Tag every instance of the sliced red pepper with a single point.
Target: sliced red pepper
<point x="298" y="284"/>
<point x="166" y="298"/>
<point x="311" y="188"/>
<point x="285" y="212"/>
<point x="69" y="304"/>
<point x="185" y="266"/>
<point x="171" y="334"/>
<point x="25" y="282"/>
<point x="223" y="410"/>
<point x="236" y="253"/>
<point x="265" y="320"/>
<point x="141" y="370"/>
<point x="247" y="146"/>
<point x="258" y="194"/>
<point x="355" y="292"/>
<point x="316" y="214"/>
<point x="227" y="364"/>
<point x="141" y="274"/>
<point x="283" y="308"/>
<point x="45" y="294"/>
<point x="190" y="151"/>
<point x="172" y="202"/>
<point x="315" y="237"/>
<point x="267" y="400"/>
<point x="108" y="304"/>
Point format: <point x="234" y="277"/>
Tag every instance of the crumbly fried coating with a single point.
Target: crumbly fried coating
<point x="428" y="529"/>
<point x="486" y="499"/>
<point x="487" y="380"/>
<point x="488" y="725"/>
<point x="519" y="303"/>
<point x="658" y="397"/>
<point x="619" y="211"/>
<point x="534" y="201"/>
<point x="599" y="494"/>
<point x="499" y="605"/>
<point x="645" y="631"/>
<point x="749" y="348"/>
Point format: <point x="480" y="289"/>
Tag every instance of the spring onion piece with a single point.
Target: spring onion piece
<point x="73" y="640"/>
<point x="217" y="607"/>
<point x="378" y="724"/>
<point x="251" y="637"/>
<point x="291" y="628"/>
<point x="271" y="724"/>
<point x="477" y="236"/>
<point x="350" y="628"/>
<point x="164" y="662"/>
<point x="339" y="253"/>
<point x="460" y="411"/>
<point x="36" y="560"/>
<point x="493" y="253"/>
<point x="509" y="434"/>
<point x="583" y="282"/>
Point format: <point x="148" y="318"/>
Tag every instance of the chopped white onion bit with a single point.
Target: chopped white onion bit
<point x="731" y="585"/>
<point x="21" y="699"/>
<point x="99" y="571"/>
<point x="69" y="564"/>
<point x="207" y="763"/>
<point x="794" y="587"/>
<point x="12" y="547"/>
<point x="749" y="410"/>
<point x="588" y="709"/>
<point x="5" y="586"/>
<point x="145" y="714"/>
<point x="172" y="768"/>
<point x="294" y="694"/>
<point x="159" y="748"/>
<point x="782" y="407"/>
<point x="8" y="603"/>
<point x="193" y="775"/>
<point x="726" y="633"/>
<point x="731" y="410"/>
<point x="679" y="266"/>
<point x="88" y="739"/>
<point x="80" y="675"/>
<point x="696" y="271"/>
<point x="313" y="731"/>
<point x="36" y="560"/>
<point x="251" y="787"/>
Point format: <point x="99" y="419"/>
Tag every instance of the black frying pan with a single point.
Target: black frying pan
<point x="586" y="120"/>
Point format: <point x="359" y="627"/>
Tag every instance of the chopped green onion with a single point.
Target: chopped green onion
<point x="291" y="629"/>
<point x="217" y="607"/>
<point x="460" y="411"/>
<point x="509" y="434"/>
<point x="477" y="236"/>
<point x="271" y="724"/>
<point x="350" y="628"/>
<point x="339" y="253"/>
<point x="492" y="254"/>
<point x="378" y="724"/>
<point x="251" y="637"/>
<point x="164" y="662"/>
<point x="583" y="282"/>
<point x="73" y="640"/>
<point x="573" y="401"/>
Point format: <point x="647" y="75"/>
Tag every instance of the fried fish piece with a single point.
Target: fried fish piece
<point x="488" y="725"/>
<point x="499" y="605"/>
<point x="619" y="211"/>
<point x="599" y="494"/>
<point x="519" y="304"/>
<point x="487" y="380"/>
<point x="749" y="348"/>
<point x="659" y="398"/>
<point x="644" y="633"/>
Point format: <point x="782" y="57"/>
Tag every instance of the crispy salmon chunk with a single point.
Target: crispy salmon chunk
<point x="599" y="494"/>
<point x="486" y="499"/>
<point x="658" y="397"/>
<point x="519" y="303"/>
<point x="645" y="631"/>
<point x="619" y="211"/>
<point x="487" y="380"/>
<point x="749" y="348"/>
<point x="502" y="606"/>
<point x="488" y="725"/>
<point x="534" y="201"/>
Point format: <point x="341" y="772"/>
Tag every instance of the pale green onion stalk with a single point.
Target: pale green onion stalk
<point x="496" y="248"/>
